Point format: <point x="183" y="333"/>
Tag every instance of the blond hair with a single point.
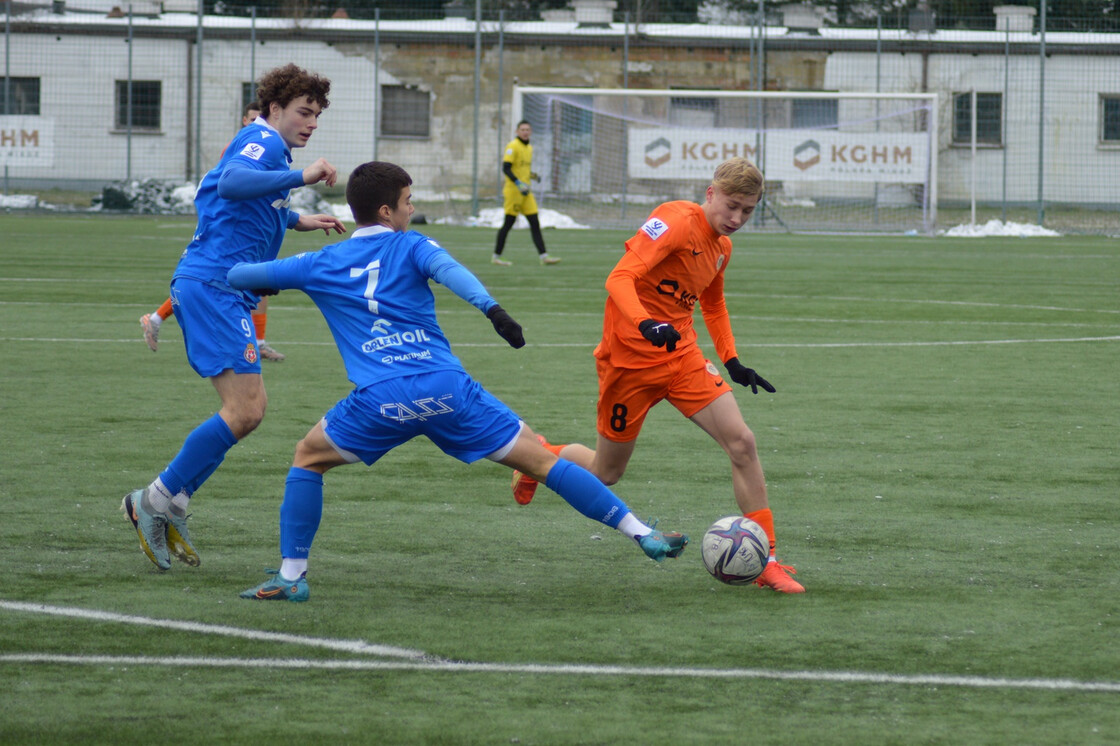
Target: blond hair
<point x="739" y="176"/>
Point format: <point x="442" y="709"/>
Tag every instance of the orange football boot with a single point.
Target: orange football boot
<point x="777" y="576"/>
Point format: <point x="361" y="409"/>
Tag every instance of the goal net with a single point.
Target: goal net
<point x="836" y="162"/>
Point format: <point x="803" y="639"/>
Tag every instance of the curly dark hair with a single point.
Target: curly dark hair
<point x="284" y="84"/>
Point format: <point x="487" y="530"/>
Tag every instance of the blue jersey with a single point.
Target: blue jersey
<point x="243" y="228"/>
<point x="373" y="291"/>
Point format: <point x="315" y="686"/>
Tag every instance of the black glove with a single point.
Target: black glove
<point x="745" y="376"/>
<point x="506" y="327"/>
<point x="660" y="334"/>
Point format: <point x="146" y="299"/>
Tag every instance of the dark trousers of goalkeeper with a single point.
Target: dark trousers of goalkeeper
<point x="534" y="228"/>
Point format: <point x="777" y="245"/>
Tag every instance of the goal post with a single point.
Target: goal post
<point x="834" y="162"/>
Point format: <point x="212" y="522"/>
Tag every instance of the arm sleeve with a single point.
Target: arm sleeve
<point x="622" y="287"/>
<point x="239" y="182"/>
<point x="458" y="279"/>
<point x="246" y="276"/>
<point x="717" y="319"/>
<point x="507" y="169"/>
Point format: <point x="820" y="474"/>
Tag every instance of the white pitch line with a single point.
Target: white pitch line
<point x="346" y="646"/>
<point x="842" y="677"/>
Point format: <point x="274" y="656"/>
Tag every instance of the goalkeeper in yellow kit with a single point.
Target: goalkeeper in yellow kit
<point x="517" y="166"/>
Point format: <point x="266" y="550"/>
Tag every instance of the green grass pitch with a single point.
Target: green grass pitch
<point x="942" y="454"/>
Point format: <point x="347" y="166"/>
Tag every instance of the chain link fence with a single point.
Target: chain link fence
<point x="99" y="94"/>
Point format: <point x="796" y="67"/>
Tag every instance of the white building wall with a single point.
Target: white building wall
<point x="77" y="92"/>
<point x="345" y="135"/>
<point x="1078" y="168"/>
<point x="77" y="72"/>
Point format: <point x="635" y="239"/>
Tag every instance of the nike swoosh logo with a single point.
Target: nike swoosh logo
<point x="696" y="253"/>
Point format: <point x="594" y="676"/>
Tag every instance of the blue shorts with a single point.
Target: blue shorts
<point x="448" y="406"/>
<point x="217" y="328"/>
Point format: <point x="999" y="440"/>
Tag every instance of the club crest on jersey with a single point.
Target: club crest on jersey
<point x="250" y="353"/>
<point x="253" y="150"/>
<point x="654" y="227"/>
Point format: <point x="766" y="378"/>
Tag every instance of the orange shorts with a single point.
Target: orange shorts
<point x="626" y="395"/>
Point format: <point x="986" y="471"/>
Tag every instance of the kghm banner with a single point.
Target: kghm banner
<point x="788" y="155"/>
<point x="26" y="141"/>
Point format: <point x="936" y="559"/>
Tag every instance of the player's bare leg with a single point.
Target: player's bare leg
<point x="724" y="422"/>
<point x="586" y="493"/>
<point x="243" y="400"/>
<point x="607" y="462"/>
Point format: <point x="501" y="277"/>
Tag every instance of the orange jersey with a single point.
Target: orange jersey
<point x="675" y="260"/>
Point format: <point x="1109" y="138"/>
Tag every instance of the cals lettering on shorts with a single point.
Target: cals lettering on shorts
<point x="654" y="227"/>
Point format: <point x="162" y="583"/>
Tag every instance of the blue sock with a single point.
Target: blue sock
<point x="204" y="448"/>
<point x="584" y="492"/>
<point x="195" y="483"/>
<point x="300" y="512"/>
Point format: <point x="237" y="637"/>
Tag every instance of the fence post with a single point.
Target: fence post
<point x="501" y="87"/>
<point x="253" y="54"/>
<point x="1003" y="115"/>
<point x="7" y="72"/>
<point x="198" y="96"/>
<point x="625" y="112"/>
<point x="376" y="81"/>
<point x="1041" y="106"/>
<point x="972" y="164"/>
<point x="477" y="101"/>
<point x="128" y="105"/>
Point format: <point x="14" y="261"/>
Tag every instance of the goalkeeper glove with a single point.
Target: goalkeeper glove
<point x="660" y="334"/>
<point x="535" y="176"/>
<point x="506" y="327"/>
<point x="745" y="376"/>
<point x="522" y="186"/>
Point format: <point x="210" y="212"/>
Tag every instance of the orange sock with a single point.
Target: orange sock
<point x="554" y="448"/>
<point x="765" y="519"/>
<point x="260" y="321"/>
<point x="165" y="310"/>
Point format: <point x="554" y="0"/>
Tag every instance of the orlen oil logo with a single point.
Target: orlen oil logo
<point x="658" y="152"/>
<point x="807" y="154"/>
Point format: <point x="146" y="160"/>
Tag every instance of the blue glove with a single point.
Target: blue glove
<point x="522" y="186"/>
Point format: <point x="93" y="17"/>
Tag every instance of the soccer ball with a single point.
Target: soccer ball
<point x="735" y="550"/>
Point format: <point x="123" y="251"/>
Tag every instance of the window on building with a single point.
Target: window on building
<point x="989" y="118"/>
<point x="1110" y="119"/>
<point x="405" y="111"/>
<point x="19" y="96"/>
<point x="814" y="113"/>
<point x="145" y="103"/>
